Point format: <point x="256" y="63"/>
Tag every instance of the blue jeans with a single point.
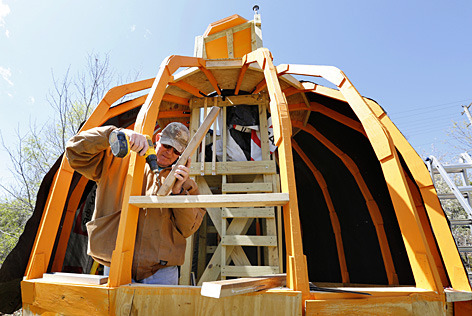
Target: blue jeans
<point x="165" y="276"/>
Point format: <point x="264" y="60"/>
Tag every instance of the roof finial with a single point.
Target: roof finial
<point x="255" y="9"/>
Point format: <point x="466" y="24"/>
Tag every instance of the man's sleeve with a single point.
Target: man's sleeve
<point x="87" y="151"/>
<point x="188" y="220"/>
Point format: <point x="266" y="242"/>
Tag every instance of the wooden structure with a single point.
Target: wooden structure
<point x="405" y="259"/>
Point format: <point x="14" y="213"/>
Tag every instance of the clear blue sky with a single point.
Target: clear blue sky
<point x="413" y="57"/>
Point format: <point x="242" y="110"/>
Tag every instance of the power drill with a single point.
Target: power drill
<point x="119" y="143"/>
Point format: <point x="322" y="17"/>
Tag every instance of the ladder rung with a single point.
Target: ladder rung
<point x="217" y="200"/>
<point x="248" y="271"/>
<point x="461" y="221"/>
<point x="249" y="212"/>
<point x="465" y="248"/>
<point x="244" y="240"/>
<point x="236" y="167"/>
<point x="449" y="196"/>
<point x="246" y="187"/>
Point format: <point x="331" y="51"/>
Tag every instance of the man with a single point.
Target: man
<point x="161" y="232"/>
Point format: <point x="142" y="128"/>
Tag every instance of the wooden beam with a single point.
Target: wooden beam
<point x="246" y="187"/>
<point x="251" y="212"/>
<point x="76" y="278"/>
<point x="248" y="271"/>
<point x="191" y="147"/>
<point x="259" y="87"/>
<point x="229" y="200"/>
<point x="247" y="240"/>
<point x="229" y="101"/>
<point x="175" y="99"/>
<point x="225" y="288"/>
<point x="173" y="114"/>
<point x="212" y="79"/>
<point x="187" y="87"/>
<point x="240" y="78"/>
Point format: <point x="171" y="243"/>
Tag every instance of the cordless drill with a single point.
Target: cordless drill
<point x="119" y="143"/>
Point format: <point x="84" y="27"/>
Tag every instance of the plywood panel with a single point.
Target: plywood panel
<point x="416" y="304"/>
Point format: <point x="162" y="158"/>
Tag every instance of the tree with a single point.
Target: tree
<point x="72" y="99"/>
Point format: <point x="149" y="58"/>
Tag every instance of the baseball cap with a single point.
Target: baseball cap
<point x="175" y="134"/>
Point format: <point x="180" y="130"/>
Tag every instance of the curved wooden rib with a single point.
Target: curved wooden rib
<point x="437" y="218"/>
<point x="421" y="260"/>
<point x="297" y="274"/>
<point x="332" y="212"/>
<point x="372" y="206"/>
<point x="316" y="107"/>
<point x="72" y="206"/>
<point x="49" y="226"/>
<point x="122" y="257"/>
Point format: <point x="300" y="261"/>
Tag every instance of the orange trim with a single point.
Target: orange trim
<point x="122" y="257"/>
<point x="175" y="99"/>
<point x="240" y="78"/>
<point x="259" y="87"/>
<point x="421" y="260"/>
<point x="187" y="87"/>
<point x="427" y="228"/>
<point x="297" y="274"/>
<point x="72" y="207"/>
<point x="370" y="202"/>
<point x="172" y="114"/>
<point x="316" y="107"/>
<point x="290" y="91"/>
<point x="212" y="79"/>
<point x="332" y="212"/>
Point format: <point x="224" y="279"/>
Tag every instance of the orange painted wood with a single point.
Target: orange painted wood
<point x="332" y="212"/>
<point x="422" y="263"/>
<point x="175" y="99"/>
<point x="316" y="107"/>
<point x="297" y="274"/>
<point x="122" y="257"/>
<point x="72" y="207"/>
<point x="240" y="78"/>
<point x="259" y="87"/>
<point x="45" y="237"/>
<point x="427" y="229"/>
<point x="437" y="218"/>
<point x="187" y="87"/>
<point x="372" y="206"/>
<point x="212" y="79"/>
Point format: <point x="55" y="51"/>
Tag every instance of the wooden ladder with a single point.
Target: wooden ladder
<point x="238" y="226"/>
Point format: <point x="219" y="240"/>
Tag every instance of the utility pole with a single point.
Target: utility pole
<point x="466" y="111"/>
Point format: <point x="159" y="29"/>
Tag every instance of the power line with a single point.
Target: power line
<point x="429" y="111"/>
<point x="422" y="108"/>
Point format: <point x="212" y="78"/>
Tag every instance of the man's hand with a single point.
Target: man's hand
<point x="181" y="175"/>
<point x="137" y="141"/>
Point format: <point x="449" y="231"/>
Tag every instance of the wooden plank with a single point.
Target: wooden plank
<point x="76" y="278"/>
<point x="245" y="240"/>
<point x="246" y="187"/>
<point x="457" y="296"/>
<point x="228" y="101"/>
<point x="219" y="289"/>
<point x="248" y="271"/>
<point x="222" y="33"/>
<point x="252" y="212"/>
<point x="191" y="147"/>
<point x="236" y="167"/>
<point x="416" y="304"/>
<point x="229" y="200"/>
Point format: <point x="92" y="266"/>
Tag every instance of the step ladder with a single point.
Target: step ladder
<point x="453" y="184"/>
<point x="240" y="229"/>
